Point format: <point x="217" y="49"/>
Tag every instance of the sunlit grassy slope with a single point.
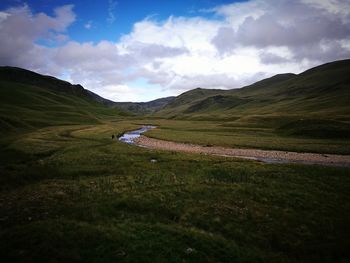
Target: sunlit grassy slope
<point x="314" y="97"/>
<point x="29" y="100"/>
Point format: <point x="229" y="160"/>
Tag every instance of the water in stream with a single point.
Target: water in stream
<point x="129" y="137"/>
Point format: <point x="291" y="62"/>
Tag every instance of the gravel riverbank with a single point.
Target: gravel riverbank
<point x="268" y="156"/>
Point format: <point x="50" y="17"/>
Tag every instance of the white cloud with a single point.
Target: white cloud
<point x="253" y="40"/>
<point x="236" y="13"/>
<point x="114" y="92"/>
<point x="20" y="30"/>
<point x="88" y="25"/>
<point x="338" y="7"/>
<point x="293" y="24"/>
<point x="112" y="5"/>
<point x="3" y="16"/>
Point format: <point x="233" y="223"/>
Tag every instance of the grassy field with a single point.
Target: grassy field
<point x="71" y="194"/>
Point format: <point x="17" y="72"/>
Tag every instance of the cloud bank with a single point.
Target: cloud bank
<point x="242" y="43"/>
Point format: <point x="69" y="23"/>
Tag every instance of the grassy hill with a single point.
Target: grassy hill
<point x="311" y="101"/>
<point x="32" y="100"/>
<point x="144" y="107"/>
<point x="324" y="89"/>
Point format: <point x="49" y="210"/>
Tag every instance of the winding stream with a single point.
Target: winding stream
<point x="130" y="136"/>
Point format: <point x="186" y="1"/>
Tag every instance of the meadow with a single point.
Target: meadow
<point x="70" y="193"/>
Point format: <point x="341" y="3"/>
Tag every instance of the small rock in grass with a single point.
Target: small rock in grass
<point x="60" y="194"/>
<point x="189" y="250"/>
<point x="121" y="253"/>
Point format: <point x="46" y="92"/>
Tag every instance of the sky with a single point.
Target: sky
<point x="140" y="50"/>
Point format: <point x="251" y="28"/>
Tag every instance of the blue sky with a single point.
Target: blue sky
<point x="139" y="50"/>
<point x="110" y="19"/>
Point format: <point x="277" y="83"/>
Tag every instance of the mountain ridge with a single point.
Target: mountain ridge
<point x="28" y="77"/>
<point x="318" y="93"/>
<point x="30" y="100"/>
<point x="144" y="107"/>
<point x="316" y="90"/>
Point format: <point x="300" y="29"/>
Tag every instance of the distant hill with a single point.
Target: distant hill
<point x="320" y="91"/>
<point x="314" y="103"/>
<point x="32" y="100"/>
<point x="144" y="107"/>
<point x="19" y="75"/>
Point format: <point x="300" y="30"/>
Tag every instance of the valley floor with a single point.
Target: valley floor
<point x="72" y="194"/>
<point x="254" y="154"/>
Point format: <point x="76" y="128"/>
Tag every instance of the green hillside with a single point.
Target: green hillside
<point x="321" y="91"/>
<point x="315" y="102"/>
<point x="193" y="96"/>
<point x="31" y="100"/>
<point x="144" y="107"/>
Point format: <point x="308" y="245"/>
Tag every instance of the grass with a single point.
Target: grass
<point x="70" y="193"/>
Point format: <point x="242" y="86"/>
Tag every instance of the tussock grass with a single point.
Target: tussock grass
<point x="71" y="193"/>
